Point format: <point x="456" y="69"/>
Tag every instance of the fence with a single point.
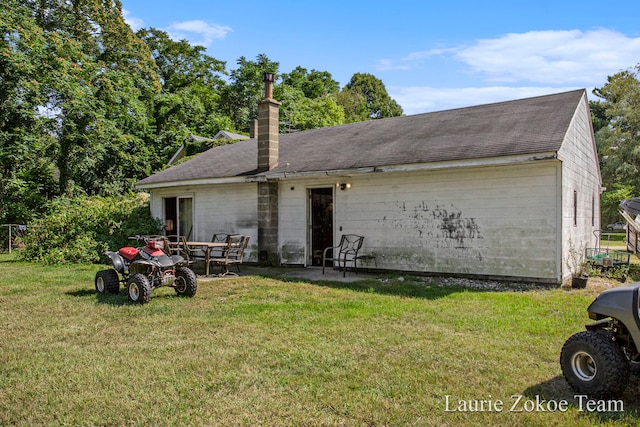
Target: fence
<point x="13" y="231"/>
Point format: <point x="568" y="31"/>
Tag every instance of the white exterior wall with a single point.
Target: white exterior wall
<point x="482" y="221"/>
<point x="228" y="208"/>
<point x="503" y="220"/>
<point x="293" y="203"/>
<point x="580" y="174"/>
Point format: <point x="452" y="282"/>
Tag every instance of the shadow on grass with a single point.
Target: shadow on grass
<point x="105" y="298"/>
<point x="625" y="408"/>
<point x="424" y="287"/>
<point x="117" y="300"/>
<point x="407" y="289"/>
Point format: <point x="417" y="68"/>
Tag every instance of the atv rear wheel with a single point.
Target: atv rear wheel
<point x="107" y="281"/>
<point x="139" y="289"/>
<point x="594" y="365"/>
<point x="185" y="284"/>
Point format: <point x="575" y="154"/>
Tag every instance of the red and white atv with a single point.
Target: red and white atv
<point x="144" y="269"/>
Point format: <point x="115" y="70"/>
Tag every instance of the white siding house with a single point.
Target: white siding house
<point x="499" y="190"/>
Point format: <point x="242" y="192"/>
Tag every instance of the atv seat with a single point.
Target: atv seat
<point x="129" y="253"/>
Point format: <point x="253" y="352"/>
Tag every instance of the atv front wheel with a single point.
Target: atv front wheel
<point x="107" y="281"/>
<point x="185" y="284"/>
<point x="593" y="364"/>
<point x="139" y="289"/>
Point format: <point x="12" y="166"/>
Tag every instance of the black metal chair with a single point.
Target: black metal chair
<point x="218" y="238"/>
<point x="345" y="252"/>
<point x="233" y="254"/>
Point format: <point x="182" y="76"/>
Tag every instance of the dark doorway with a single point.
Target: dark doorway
<point x="321" y="217"/>
<point x="170" y="216"/>
<point x="178" y="216"/>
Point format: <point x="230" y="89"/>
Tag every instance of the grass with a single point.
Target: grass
<point x="260" y="350"/>
<point x="613" y="237"/>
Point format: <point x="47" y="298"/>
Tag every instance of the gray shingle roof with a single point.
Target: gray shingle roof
<point x="525" y="126"/>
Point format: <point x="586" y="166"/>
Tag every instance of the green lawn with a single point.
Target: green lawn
<point x="258" y="350"/>
<point x="614" y="237"/>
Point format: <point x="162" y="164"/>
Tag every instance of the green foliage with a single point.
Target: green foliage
<point x="78" y="230"/>
<point x="610" y="202"/>
<point x="598" y="115"/>
<point x="313" y="84"/>
<point x="298" y="112"/>
<point x="354" y="105"/>
<point x="241" y="96"/>
<point x="378" y="102"/>
<point x="88" y="107"/>
<point x="617" y="121"/>
<point x="26" y="171"/>
<point x="189" y="102"/>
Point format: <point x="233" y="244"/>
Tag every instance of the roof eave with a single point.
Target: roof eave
<point x="202" y="181"/>
<point x="454" y="164"/>
<point x="466" y="163"/>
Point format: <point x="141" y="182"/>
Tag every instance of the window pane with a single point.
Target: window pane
<point x="185" y="217"/>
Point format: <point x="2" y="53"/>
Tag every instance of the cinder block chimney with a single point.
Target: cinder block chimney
<point x="268" y="119"/>
<point x="268" y="110"/>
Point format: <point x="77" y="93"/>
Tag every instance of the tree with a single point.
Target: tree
<point x="354" y="105"/>
<point x="241" y="96"/>
<point x="298" y="112"/>
<point x="372" y="94"/>
<point x="618" y="137"/>
<point x="599" y="117"/>
<point x="100" y="87"/>
<point x="313" y="84"/>
<point x="189" y="102"/>
<point x="26" y="170"/>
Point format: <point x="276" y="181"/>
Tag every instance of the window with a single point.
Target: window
<point x="575" y="208"/>
<point x="178" y="216"/>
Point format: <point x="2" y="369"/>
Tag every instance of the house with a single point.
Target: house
<point x="504" y="190"/>
<point x="221" y="135"/>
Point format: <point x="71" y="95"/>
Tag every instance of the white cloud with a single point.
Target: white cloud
<point x="388" y="65"/>
<point x="515" y="66"/>
<point x="428" y="54"/>
<point x="132" y="21"/>
<point x="198" y="32"/>
<point x="545" y="57"/>
<point x="421" y="99"/>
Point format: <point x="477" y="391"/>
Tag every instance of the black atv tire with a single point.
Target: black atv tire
<point x="139" y="289"/>
<point x="185" y="284"/>
<point x="107" y="281"/>
<point x="594" y="365"/>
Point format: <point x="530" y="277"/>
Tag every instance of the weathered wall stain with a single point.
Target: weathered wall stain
<point x="441" y="226"/>
<point x="292" y="252"/>
<point x="456" y="227"/>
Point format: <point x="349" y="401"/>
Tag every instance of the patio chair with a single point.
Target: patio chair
<point x="345" y="252"/>
<point x="233" y="254"/>
<point x="172" y="244"/>
<point x="218" y="238"/>
<point x="177" y="245"/>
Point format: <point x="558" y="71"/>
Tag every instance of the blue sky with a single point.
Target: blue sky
<point x="431" y="56"/>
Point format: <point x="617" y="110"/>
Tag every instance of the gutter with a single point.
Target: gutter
<point x="491" y="161"/>
<point x="277" y="176"/>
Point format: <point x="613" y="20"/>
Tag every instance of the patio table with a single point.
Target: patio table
<point x="208" y="246"/>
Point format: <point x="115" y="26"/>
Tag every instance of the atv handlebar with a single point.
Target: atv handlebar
<point x="146" y="238"/>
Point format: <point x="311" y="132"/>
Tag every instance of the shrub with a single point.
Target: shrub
<point x="80" y="229"/>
